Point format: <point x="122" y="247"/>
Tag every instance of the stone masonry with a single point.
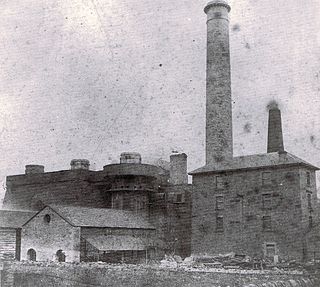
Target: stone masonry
<point x="218" y="107"/>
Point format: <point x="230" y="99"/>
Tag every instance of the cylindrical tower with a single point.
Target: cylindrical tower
<point x="219" y="144"/>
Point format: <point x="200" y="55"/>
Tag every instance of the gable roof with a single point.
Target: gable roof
<point x="14" y="218"/>
<point x="255" y="161"/>
<point x="100" y="217"/>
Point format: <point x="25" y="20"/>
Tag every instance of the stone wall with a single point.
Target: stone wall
<point x="46" y="238"/>
<point x="253" y="214"/>
<point x="64" y="187"/>
<point x="63" y="274"/>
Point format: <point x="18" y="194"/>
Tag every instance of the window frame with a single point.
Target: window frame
<point x="309" y="199"/>
<point x="267" y="200"/>
<point x="219" y="182"/>
<point x="266" y="223"/>
<point x="267" y="246"/>
<point x="219" y="223"/>
<point x="219" y="204"/>
<point x="266" y="181"/>
<point x="308" y="178"/>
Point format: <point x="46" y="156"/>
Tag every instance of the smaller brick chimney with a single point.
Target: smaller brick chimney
<point x="178" y="169"/>
<point x="275" y="137"/>
<point x="80" y="164"/>
<point x="34" y="169"/>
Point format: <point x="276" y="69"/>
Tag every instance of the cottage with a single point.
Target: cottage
<point x="73" y="234"/>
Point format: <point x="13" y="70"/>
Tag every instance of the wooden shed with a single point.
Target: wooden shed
<point x="11" y="222"/>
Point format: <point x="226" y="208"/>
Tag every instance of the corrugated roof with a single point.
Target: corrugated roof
<point x="116" y="243"/>
<point x="14" y="218"/>
<point x="254" y="161"/>
<point x="101" y="217"/>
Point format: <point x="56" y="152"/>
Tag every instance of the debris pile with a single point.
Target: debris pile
<point x="233" y="261"/>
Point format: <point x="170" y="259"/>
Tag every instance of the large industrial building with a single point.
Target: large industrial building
<point x="89" y="215"/>
<point x="262" y="205"/>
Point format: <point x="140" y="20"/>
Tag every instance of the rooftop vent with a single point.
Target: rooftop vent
<point x="130" y="157"/>
<point x="80" y="164"/>
<point x="34" y="169"/>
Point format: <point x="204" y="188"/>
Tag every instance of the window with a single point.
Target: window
<point x="266" y="178"/>
<point x="179" y="198"/>
<point x="270" y="250"/>
<point x="60" y="256"/>
<point x="219" y="182"/>
<point x="219" y="202"/>
<point x="266" y="223"/>
<point x="32" y="255"/>
<point x="267" y="200"/>
<point x="310" y="221"/>
<point x="309" y="199"/>
<point x="47" y="218"/>
<point x="308" y="178"/>
<point x="219" y="223"/>
<point x="117" y="201"/>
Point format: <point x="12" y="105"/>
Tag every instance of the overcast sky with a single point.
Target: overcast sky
<point x="93" y="78"/>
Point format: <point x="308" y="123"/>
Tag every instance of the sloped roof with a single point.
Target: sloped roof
<point x="254" y="161"/>
<point x="101" y="217"/>
<point x="116" y="243"/>
<point x="14" y="218"/>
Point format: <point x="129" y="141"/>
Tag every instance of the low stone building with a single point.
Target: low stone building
<point x="10" y="232"/>
<point x="73" y="234"/>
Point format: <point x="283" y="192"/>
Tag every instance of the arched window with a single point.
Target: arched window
<point x="32" y="255"/>
<point x="61" y="257"/>
<point x="47" y="218"/>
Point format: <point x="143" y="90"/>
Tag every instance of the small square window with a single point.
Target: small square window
<point x="308" y="178"/>
<point x="219" y="223"/>
<point x="219" y="182"/>
<point x="267" y="200"/>
<point x="266" y="223"/>
<point x="266" y="178"/>
<point x="219" y="202"/>
<point x="270" y="249"/>
<point x="309" y="199"/>
<point x="179" y="198"/>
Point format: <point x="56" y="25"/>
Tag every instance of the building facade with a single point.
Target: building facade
<point x="259" y="205"/>
<point x="74" y="234"/>
<point x="262" y="205"/>
<point x="161" y="195"/>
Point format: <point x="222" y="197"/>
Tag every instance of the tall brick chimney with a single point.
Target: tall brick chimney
<point x="219" y="143"/>
<point x="275" y="137"/>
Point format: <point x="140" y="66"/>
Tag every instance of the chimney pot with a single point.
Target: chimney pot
<point x="79" y="164"/>
<point x="34" y="169"/>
